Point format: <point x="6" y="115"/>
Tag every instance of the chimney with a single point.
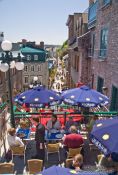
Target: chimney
<point x="1" y="36"/>
<point x="24" y="41"/>
<point x="42" y="45"/>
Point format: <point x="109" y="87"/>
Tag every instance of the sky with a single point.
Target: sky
<point x="38" y="20"/>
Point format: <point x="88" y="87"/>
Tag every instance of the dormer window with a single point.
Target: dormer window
<point x="35" y="57"/>
<point x="32" y="68"/>
<point x="28" y="57"/>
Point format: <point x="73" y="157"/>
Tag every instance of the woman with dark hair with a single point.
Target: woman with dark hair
<point x="53" y="124"/>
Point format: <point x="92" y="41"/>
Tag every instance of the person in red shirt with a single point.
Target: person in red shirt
<point x="73" y="140"/>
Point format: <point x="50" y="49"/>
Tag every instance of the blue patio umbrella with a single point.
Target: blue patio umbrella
<point x="84" y="97"/>
<point x="37" y="97"/>
<point x="56" y="170"/>
<point x="105" y="136"/>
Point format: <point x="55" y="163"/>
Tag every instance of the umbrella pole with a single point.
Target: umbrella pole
<point x="40" y="117"/>
<point x="64" y="118"/>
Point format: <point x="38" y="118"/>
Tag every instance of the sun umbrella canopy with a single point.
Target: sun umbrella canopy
<point x="38" y="97"/>
<point x="84" y="97"/>
<point x="104" y="136"/>
<point x="56" y="170"/>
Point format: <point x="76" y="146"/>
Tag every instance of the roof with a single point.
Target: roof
<point x="70" y="17"/>
<point x="32" y="50"/>
<point x="41" y="53"/>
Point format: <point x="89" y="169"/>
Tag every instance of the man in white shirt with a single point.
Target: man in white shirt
<point x="13" y="140"/>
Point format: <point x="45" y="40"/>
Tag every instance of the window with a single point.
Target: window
<point x="31" y="79"/>
<point x="77" y="25"/>
<point x="35" y="57"/>
<point x="28" y="57"/>
<point x="92" y="46"/>
<point x="106" y="2"/>
<point x="26" y="79"/>
<point x="114" y="99"/>
<point x="40" y="79"/>
<point x="100" y="84"/>
<point x="103" y="42"/>
<point x="13" y="71"/>
<point x="32" y="68"/>
<point x="1" y="77"/>
<point x="6" y="75"/>
<point x="39" y="68"/>
<point x="26" y="68"/>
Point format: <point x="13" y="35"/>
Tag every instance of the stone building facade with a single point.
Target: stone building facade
<point x="78" y="38"/>
<point x="36" y="65"/>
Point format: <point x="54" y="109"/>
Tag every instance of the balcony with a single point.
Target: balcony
<point x="106" y="2"/>
<point x="72" y="40"/>
<point x="92" y="15"/>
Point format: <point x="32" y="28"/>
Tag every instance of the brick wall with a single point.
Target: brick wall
<point x="107" y="68"/>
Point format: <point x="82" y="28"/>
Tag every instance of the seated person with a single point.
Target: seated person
<point x="77" y="163"/>
<point x="53" y="124"/>
<point x="25" y="123"/>
<point x="107" y="164"/>
<point x="73" y="140"/>
<point x="13" y="140"/>
<point x="23" y="130"/>
<point x="89" y="126"/>
<point x="70" y="123"/>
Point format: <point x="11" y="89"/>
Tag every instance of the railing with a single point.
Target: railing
<point x="105" y="2"/>
<point x="29" y="114"/>
<point x="92" y="14"/>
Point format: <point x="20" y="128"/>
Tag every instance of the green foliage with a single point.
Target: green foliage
<point x="63" y="50"/>
<point x="52" y="73"/>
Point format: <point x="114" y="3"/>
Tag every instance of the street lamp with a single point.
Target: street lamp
<point x="7" y="62"/>
<point x="35" y="79"/>
<point x="31" y="86"/>
<point x="35" y="82"/>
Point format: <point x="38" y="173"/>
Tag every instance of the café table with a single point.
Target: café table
<point x="23" y="133"/>
<point x="54" y="136"/>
